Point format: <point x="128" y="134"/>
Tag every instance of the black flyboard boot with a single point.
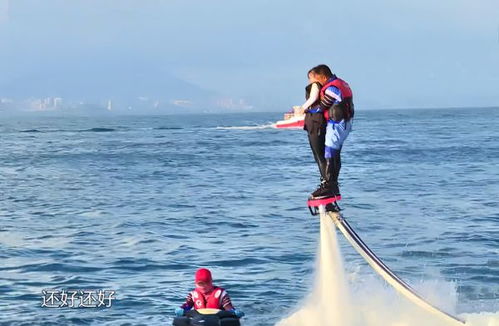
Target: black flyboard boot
<point x="329" y="181"/>
<point x="324" y="191"/>
<point x="328" y="192"/>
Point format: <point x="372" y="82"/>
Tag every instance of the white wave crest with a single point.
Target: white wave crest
<point x="266" y="126"/>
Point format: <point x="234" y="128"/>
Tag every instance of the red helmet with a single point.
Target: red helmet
<point x="203" y="275"/>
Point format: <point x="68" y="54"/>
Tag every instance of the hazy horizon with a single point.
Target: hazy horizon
<point x="249" y="56"/>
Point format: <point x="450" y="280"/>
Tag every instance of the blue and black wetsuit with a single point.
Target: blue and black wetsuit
<point x="338" y="128"/>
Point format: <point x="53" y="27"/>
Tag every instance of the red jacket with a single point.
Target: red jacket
<point x="212" y="300"/>
<point x="346" y="94"/>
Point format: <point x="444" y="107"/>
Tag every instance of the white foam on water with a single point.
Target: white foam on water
<point x="482" y="319"/>
<point x="369" y="301"/>
<point x="267" y="126"/>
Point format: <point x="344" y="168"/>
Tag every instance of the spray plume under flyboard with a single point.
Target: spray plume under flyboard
<point x="390" y="277"/>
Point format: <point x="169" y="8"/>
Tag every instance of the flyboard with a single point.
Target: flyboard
<point x="329" y="202"/>
<point x="383" y="270"/>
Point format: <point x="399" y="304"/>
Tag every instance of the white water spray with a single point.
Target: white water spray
<point x="333" y="303"/>
<point x="329" y="302"/>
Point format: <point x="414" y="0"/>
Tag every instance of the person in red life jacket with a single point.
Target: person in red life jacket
<point x="336" y="102"/>
<point x="207" y="295"/>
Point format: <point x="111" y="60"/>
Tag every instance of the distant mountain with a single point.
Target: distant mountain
<point x="119" y="81"/>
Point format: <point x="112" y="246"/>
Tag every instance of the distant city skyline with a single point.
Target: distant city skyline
<point x="249" y="55"/>
<point x="138" y="105"/>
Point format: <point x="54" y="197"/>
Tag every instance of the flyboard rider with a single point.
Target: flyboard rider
<point x="331" y="115"/>
<point x="207" y="295"/>
<point x="315" y="122"/>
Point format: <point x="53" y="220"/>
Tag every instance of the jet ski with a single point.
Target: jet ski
<point x="293" y="119"/>
<point x="207" y="317"/>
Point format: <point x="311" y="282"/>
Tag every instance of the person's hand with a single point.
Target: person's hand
<point x="179" y="312"/>
<point x="299" y="110"/>
<point x="238" y="313"/>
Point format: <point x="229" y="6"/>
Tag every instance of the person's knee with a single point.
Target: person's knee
<point x="330" y="152"/>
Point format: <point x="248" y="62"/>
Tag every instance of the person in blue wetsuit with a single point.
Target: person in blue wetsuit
<point x="336" y="101"/>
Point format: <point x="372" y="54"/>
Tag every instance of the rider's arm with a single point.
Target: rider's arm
<point x="331" y="96"/>
<point x="314" y="95"/>
<point x="189" y="303"/>
<point x="227" y="305"/>
<point x="226" y="302"/>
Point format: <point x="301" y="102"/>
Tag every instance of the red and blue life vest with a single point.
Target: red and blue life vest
<point x="346" y="104"/>
<point x="212" y="300"/>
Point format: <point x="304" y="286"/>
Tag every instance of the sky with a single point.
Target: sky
<point x="394" y="53"/>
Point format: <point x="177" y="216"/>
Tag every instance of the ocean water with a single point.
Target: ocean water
<point x="137" y="204"/>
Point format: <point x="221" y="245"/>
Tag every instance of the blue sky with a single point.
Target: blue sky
<point x="393" y="53"/>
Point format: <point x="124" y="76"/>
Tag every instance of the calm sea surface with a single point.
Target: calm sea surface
<point x="137" y="204"/>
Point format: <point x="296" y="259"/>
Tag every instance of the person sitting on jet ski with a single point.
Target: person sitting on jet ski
<point x="207" y="295"/>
